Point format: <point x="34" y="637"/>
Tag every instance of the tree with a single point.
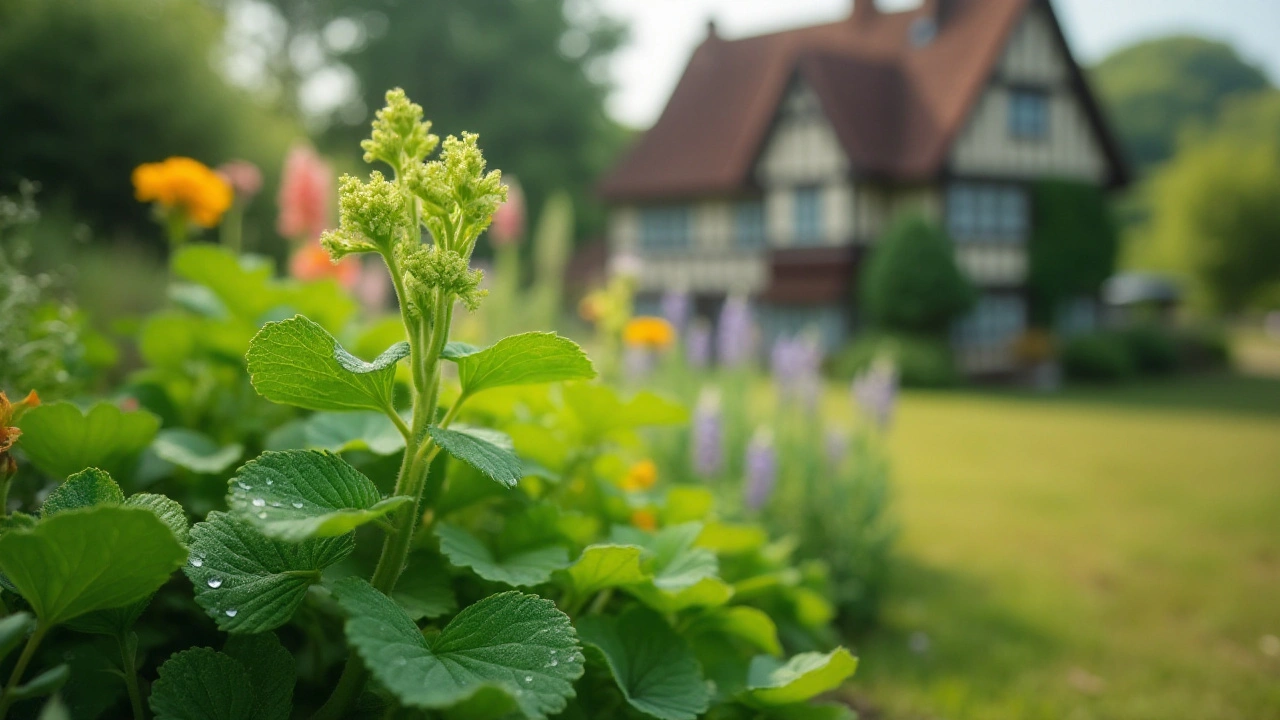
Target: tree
<point x="1215" y="208"/>
<point x="1073" y="245"/>
<point x="1153" y="90"/>
<point x="92" y="88"/>
<point x="911" y="283"/>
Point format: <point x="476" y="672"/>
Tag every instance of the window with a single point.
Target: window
<point x="748" y="225"/>
<point x="987" y="212"/>
<point x="808" y="216"/>
<point x="996" y="320"/>
<point x="664" y="228"/>
<point x="1029" y="114"/>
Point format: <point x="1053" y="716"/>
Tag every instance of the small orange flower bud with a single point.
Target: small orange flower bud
<point x="641" y="476"/>
<point x="644" y="519"/>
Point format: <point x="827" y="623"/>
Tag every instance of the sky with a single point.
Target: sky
<point x="664" y="33"/>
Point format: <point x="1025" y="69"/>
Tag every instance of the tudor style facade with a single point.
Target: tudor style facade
<point x="781" y="158"/>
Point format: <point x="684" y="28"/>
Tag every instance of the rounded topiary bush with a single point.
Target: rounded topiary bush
<point x="1100" y="357"/>
<point x="1152" y="349"/>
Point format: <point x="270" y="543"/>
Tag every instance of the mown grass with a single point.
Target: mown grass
<point x="1099" y="554"/>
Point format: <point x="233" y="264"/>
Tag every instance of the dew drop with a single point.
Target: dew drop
<point x="215" y="582"/>
<point x="401" y="661"/>
<point x="231" y="612"/>
<point x="528" y="678"/>
<point x="243" y="486"/>
<point x="276" y="504"/>
<point x="269" y="482"/>
<point x="296" y="504"/>
<point x="197" y="562"/>
<point x="554" y="662"/>
<point x="262" y="516"/>
<point x="259" y="502"/>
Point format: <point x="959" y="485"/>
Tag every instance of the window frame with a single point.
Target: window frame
<point x="815" y="227"/>
<point x="988" y="212"/>
<point x="665" y="228"/>
<point x="1024" y="126"/>
<point x="750" y="227"/>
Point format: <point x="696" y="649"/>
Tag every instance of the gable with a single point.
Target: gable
<point x="1077" y="144"/>
<point x="802" y="146"/>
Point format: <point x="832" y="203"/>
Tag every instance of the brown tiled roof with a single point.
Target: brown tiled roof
<point x="896" y="107"/>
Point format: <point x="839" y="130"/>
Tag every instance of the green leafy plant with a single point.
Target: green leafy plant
<point x="448" y="533"/>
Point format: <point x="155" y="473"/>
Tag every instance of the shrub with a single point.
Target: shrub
<point x="1153" y="348"/>
<point x="1202" y="348"/>
<point x="921" y="362"/>
<point x="486" y="546"/>
<point x="911" y="283"/>
<point x="1097" y="357"/>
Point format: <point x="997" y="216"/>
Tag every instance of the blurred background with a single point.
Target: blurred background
<point x="1055" y="226"/>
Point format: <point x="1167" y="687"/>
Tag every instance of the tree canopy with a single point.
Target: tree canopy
<point x="1155" y="89"/>
<point x="912" y="283"/>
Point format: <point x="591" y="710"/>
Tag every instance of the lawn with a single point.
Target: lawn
<point x="1100" y="554"/>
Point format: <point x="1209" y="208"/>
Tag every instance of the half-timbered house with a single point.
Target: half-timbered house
<point x="780" y="159"/>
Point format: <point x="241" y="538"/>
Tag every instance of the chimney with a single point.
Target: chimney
<point x="863" y="11"/>
<point x="713" y="33"/>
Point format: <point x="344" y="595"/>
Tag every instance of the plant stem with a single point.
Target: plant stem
<point x="130" y="666"/>
<point x="6" y="698"/>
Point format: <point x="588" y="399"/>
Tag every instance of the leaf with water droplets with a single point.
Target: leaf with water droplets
<point x="89" y="559"/>
<point x="654" y="667"/>
<point x="296" y="362"/>
<point x="86" y="488"/>
<point x="252" y="679"/>
<point x="519" y="644"/>
<point x="528" y="565"/>
<point x="300" y="494"/>
<point x="259" y="581"/>
<point x="489" y="451"/>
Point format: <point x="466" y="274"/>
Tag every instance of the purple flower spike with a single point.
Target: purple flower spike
<point x="676" y="308"/>
<point x="708" y="435"/>
<point x="875" y="391"/>
<point x="735" y="335"/>
<point x="697" y="344"/>
<point x="796" y="363"/>
<point x="762" y="469"/>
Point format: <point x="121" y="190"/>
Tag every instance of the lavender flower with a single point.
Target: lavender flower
<point x="697" y="344"/>
<point x="676" y="307"/>
<point x="708" y="435"/>
<point x="796" y="363"/>
<point x="762" y="469"/>
<point x="735" y="338"/>
<point x="875" y="390"/>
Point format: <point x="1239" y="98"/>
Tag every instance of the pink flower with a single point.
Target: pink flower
<point x="306" y="195"/>
<point x="508" y="221"/>
<point x="243" y="176"/>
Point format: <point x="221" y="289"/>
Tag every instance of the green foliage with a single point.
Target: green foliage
<point x="60" y="439"/>
<point x="195" y="451"/>
<point x="296" y="362"/>
<point x="801" y="678"/>
<point x="1098" y="357"/>
<point x="489" y="451"/>
<point x="921" y="362"/>
<point x="1212" y="209"/>
<point x="521" y="566"/>
<point x="89" y="559"/>
<point x="606" y="566"/>
<point x="249" y="583"/>
<point x="911" y="283"/>
<point x="1152" y="348"/>
<point x="524" y="359"/>
<point x="519" y="644"/>
<point x="1073" y="245"/>
<point x="155" y="94"/>
<point x="1155" y="90"/>
<point x="655" y="668"/>
<point x="251" y="679"/>
<point x="300" y="494"/>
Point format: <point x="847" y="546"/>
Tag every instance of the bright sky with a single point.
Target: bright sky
<point x="664" y="33"/>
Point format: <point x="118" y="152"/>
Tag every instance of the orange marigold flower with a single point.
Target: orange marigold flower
<point x="649" y="332"/>
<point x="644" y="519"/>
<point x="186" y="185"/>
<point x="9" y="413"/>
<point x="641" y="476"/>
<point x="592" y="307"/>
<point x="312" y="262"/>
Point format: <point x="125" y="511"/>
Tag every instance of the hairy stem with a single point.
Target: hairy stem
<point x="6" y="698"/>
<point x="129" y="664"/>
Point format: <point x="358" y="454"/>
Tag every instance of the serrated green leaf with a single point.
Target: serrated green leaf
<point x="771" y="682"/>
<point x="61" y="440"/>
<point x="195" y="451"/>
<point x="456" y="349"/>
<point x="84" y="489"/>
<point x="606" y="566"/>
<point x="488" y="451"/>
<point x="652" y="665"/>
<point x="386" y="359"/>
<point x="250" y="583"/>
<point x="425" y="589"/>
<point x="167" y="509"/>
<point x="520" y="644"/>
<point x="520" y="568"/>
<point x="203" y="684"/>
<point x="296" y="362"/>
<point x="684" y="576"/>
<point x="273" y="670"/>
<point x="113" y="622"/>
<point x="90" y="559"/>
<point x="706" y="593"/>
<point x="300" y="494"/>
<point x="43" y="684"/>
<point x="340" y="432"/>
<point x="13" y="630"/>
<point x="242" y="284"/>
<point x="525" y="359"/>
<point x="751" y="625"/>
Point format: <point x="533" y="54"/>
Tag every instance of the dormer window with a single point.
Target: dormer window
<point x="1028" y="114"/>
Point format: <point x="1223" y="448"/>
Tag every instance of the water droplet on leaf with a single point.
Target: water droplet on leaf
<point x="231" y="612"/>
<point x="296" y="504"/>
<point x="197" y="562"/>
<point x="215" y="582"/>
<point x="259" y="502"/>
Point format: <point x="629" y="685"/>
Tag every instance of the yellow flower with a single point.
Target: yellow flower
<point x="644" y="519"/>
<point x="593" y="306"/>
<point x="641" y="476"/>
<point x="649" y="332"/>
<point x="186" y="185"/>
<point x="9" y="413"/>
